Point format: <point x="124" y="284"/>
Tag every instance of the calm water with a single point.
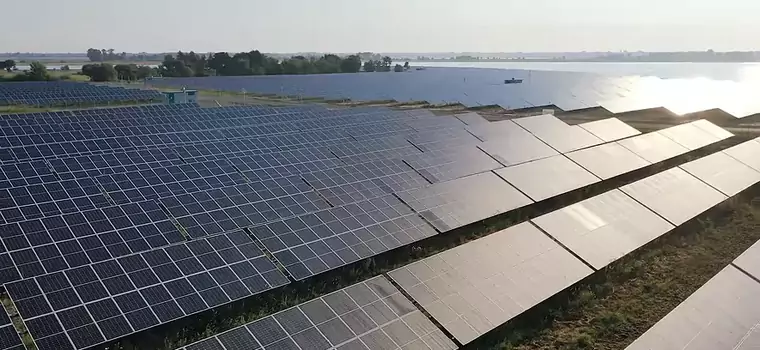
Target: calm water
<point x="667" y="70"/>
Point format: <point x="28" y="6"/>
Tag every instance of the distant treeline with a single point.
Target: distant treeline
<point x="254" y="63"/>
<point x="191" y="64"/>
<point x="36" y="72"/>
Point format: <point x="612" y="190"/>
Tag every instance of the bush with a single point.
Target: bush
<point x="398" y="68"/>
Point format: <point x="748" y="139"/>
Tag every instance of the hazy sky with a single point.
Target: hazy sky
<point x="380" y="26"/>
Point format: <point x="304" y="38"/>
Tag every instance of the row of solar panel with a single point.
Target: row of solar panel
<point x="480" y="87"/>
<point x="212" y="211"/>
<point x="393" y="229"/>
<point x="92" y="142"/>
<point x="46" y="93"/>
<point x="722" y="314"/>
<point x="476" y="287"/>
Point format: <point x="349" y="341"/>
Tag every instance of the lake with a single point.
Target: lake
<point x="716" y="71"/>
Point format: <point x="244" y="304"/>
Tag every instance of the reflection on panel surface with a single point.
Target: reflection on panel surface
<point x="365" y="316"/>
<point x="459" y="202"/>
<point x="610" y="129"/>
<point x="674" y="194"/>
<point x="517" y="149"/>
<point x="746" y="153"/>
<point x="723" y="172"/>
<point x="608" y="160"/>
<point x="504" y="129"/>
<point x="604" y="228"/>
<point x="690" y="136"/>
<point x="477" y="286"/>
<point x="749" y="261"/>
<point x="545" y="178"/>
<point x="653" y="147"/>
<point x="722" y="314"/>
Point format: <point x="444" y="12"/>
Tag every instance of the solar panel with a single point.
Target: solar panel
<point x="88" y="305"/>
<point x="504" y="129"/>
<point x="476" y="287"/>
<point x="603" y="228"/>
<point x="9" y="338"/>
<point x="541" y="124"/>
<point x="746" y="153"/>
<point x="712" y="129"/>
<point x="546" y="178"/>
<point x="608" y="160"/>
<point x="514" y="149"/>
<point x="690" y="136"/>
<point x="722" y="314"/>
<point x="653" y="147"/>
<point x="368" y="315"/>
<point x="610" y="129"/>
<point x="313" y="243"/>
<point x="674" y="194"/>
<point x="749" y="261"/>
<point x="451" y="204"/>
<point x="569" y="139"/>
<point x="471" y="118"/>
<point x="723" y="172"/>
<point x="451" y="164"/>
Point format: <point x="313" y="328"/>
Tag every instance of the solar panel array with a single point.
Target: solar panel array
<point x="118" y="220"/>
<point x="723" y="313"/>
<point x="474" y="87"/>
<point x="46" y="93"/>
<point x="474" y="288"/>
<point x="368" y="315"/>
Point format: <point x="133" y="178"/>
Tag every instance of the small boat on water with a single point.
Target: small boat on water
<point x="513" y="81"/>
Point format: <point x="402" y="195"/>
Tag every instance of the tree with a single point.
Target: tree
<point x="398" y="68"/>
<point x="172" y="67"/>
<point x="94" y="55"/>
<point x="369" y="66"/>
<point x="8" y="65"/>
<point x="99" y="71"/>
<point x="387" y="61"/>
<point x="406" y="65"/>
<point x="126" y="71"/>
<point x="145" y="72"/>
<point x="37" y="71"/>
<point x="351" y="64"/>
<point x="65" y="67"/>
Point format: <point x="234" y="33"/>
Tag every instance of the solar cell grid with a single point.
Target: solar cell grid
<point x="330" y="238"/>
<point x="116" y="297"/>
<point x="9" y="338"/>
<point x="516" y="148"/>
<point x="55" y="243"/>
<point x="213" y="211"/>
<point x="172" y="180"/>
<point x="50" y="198"/>
<point x="368" y="315"/>
<point x="476" y="287"/>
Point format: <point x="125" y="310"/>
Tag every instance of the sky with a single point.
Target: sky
<point x="382" y="26"/>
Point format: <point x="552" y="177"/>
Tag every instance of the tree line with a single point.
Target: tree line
<point x="191" y="64"/>
<point x="254" y="63"/>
